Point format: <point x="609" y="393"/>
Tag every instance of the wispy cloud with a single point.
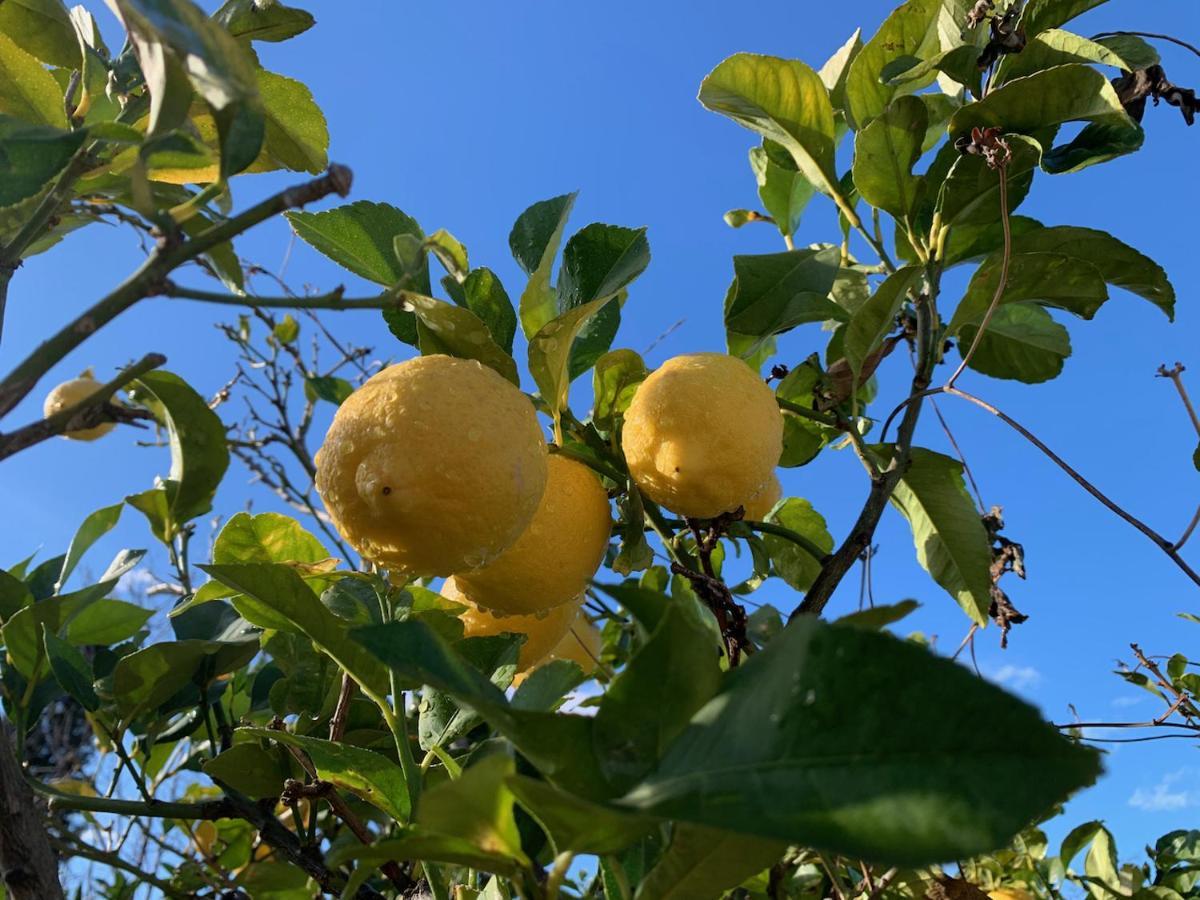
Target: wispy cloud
<point x="1016" y="677"/>
<point x="134" y="582"/>
<point x="1127" y="700"/>
<point x="1176" y="790"/>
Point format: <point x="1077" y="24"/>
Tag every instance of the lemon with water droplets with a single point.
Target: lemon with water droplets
<point x="67" y="395"/>
<point x="562" y="548"/>
<point x="542" y="631"/>
<point x="581" y="644"/>
<point x="435" y="465"/>
<point x="702" y="434"/>
<point x="763" y="501"/>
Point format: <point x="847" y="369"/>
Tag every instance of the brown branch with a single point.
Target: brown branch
<point x="1184" y="702"/>
<point x="337" y="723"/>
<point x="28" y="867"/>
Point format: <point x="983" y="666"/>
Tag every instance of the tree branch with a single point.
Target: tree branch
<point x="28" y="867"/>
<point x="86" y="413"/>
<point x="331" y="300"/>
<point x="151" y="276"/>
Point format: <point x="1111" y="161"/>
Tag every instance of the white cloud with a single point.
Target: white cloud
<point x="1128" y="700"/>
<point x="135" y="582"/>
<point x="1177" y="790"/>
<point x="1016" y="677"/>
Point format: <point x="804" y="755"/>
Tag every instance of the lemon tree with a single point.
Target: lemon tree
<point x="505" y="638"/>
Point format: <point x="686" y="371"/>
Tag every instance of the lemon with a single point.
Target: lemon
<point x="1010" y="893"/>
<point x="581" y="645"/>
<point x="433" y="466"/>
<point x="702" y="434"/>
<point x="763" y="501"/>
<point x="542" y="631"/>
<point x="561" y="549"/>
<point x="67" y="395"/>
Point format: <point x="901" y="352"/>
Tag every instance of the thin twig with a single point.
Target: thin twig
<point x="1150" y="34"/>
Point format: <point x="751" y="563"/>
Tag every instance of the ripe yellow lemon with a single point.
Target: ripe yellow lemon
<point x="433" y="466"/>
<point x="763" y="501"/>
<point x="67" y="395"/>
<point x="553" y="559"/>
<point x="581" y="644"/>
<point x="702" y="434"/>
<point x="542" y="631"/>
<point x="1010" y="893"/>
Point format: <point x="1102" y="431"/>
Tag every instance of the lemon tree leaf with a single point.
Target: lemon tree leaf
<point x="456" y="331"/>
<point x="477" y="806"/>
<point x="71" y="671"/>
<point x="296" y="137"/>
<point x="783" y="190"/>
<point x="550" y="352"/>
<point x="782" y="100"/>
<point x="199" y="456"/>
<point x="909" y="33"/>
<point x="885" y="152"/>
<point x="485" y="296"/>
<point x="1022" y="342"/>
<point x="615" y="378"/>
<point x="792" y="563"/>
<point x="803" y="438"/>
<point x="359" y="237"/>
<point x="31" y="156"/>
<point x="364" y="773"/>
<point x="249" y="769"/>
<point x="420" y="844"/>
<point x="952" y="544"/>
<point x="534" y="241"/>
<point x="871" y="322"/>
<point x="106" y="622"/>
<point x="1042" y="14"/>
<point x="150" y="677"/>
<point x="42" y="28"/>
<point x="574" y="825"/>
<point x="27" y="89"/>
<point x="703" y="863"/>
<point x="970" y="194"/>
<point x="253" y="20"/>
<point x="936" y="765"/>
<point x="94" y="527"/>
<point x="1054" y="47"/>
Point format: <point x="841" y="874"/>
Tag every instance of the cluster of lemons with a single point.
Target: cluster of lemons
<point x="438" y="467"/>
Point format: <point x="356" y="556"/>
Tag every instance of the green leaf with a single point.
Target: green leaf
<point x="615" y="377"/>
<point x="703" y="863"/>
<point x="534" y="241"/>
<point x="419" y="845"/>
<point x="274" y="596"/>
<point x="793" y="563"/>
<point x="550" y="352"/>
<point x="1135" y="51"/>
<point x="359" y="237"/>
<point x="106" y="622"/>
<point x="450" y="253"/>
<point x="970" y="195"/>
<point x="933" y="766"/>
<point x="598" y="261"/>
<point x="287" y="330"/>
<point x="31" y="156"/>
<point x="174" y="38"/>
<point x="249" y="769"/>
<point x="1022" y="342"/>
<point x="42" y="28"/>
<point x="477" y="806"/>
<point x="14" y="596"/>
<point x="328" y="387"/>
<point x="71" y="671"/>
<point x="150" y="677"/>
<point x="1069" y="93"/>
<point x="885" y="152"/>
<point x="455" y="330"/>
<point x="784" y="192"/>
<point x="774" y="292"/>
<point x="253" y="20"/>
<point x="199" y="456"/>
<point x="876" y="618"/>
<point x="836" y="71"/>
<point x="94" y="527"/>
<point x="876" y="318"/>
<point x="486" y="297"/>
<point x="952" y="544"/>
<point x="1079" y="837"/>
<point x="651" y="700"/>
<point x="782" y="100"/>
<point x="1056" y="279"/>
<point x="1118" y="263"/>
<point x="1101" y="864"/>
<point x="297" y="137"/>
<point x="911" y="31"/>
<point x="803" y="438"/>
<point x="442" y="720"/>
<point x="574" y="825"/>
<point x="1056" y="48"/>
<point x="364" y="773"/>
<point x="1042" y="14"/>
<point x="27" y="89"/>
<point x="1196" y="458"/>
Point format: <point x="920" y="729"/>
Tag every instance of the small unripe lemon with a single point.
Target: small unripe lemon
<point x="702" y="434"/>
<point x="763" y="501"/>
<point x="542" y="631"/>
<point x="1010" y="893"/>
<point x="67" y="395"/>
<point x="433" y="466"/>
<point x="581" y="644"/>
<point x="561" y="549"/>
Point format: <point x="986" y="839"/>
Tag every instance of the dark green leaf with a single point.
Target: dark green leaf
<point x="27" y="89"/>
<point x="42" y="28"/>
<point x="94" y="527"/>
<point x="199" y="456"/>
<point x="872" y="322"/>
<point x="885" y="152"/>
<point x="146" y="679"/>
<point x="775" y="292"/>
<point x="803" y="438"/>
<point x="952" y="544"/>
<point x="534" y="241"/>
<point x="456" y="331"/>
<point x="14" y="596"/>
<point x="970" y="195"/>
<point x="360" y="237"/>
<point x="72" y="671"/>
<point x="328" y="387"/>
<point x="791" y="562"/>
<point x="364" y="773"/>
<point x="252" y="20"/>
<point x="420" y="844"/>
<point x="782" y="100"/>
<point x="598" y="261"/>
<point x="485" y="296"/>
<point x="106" y="622"/>
<point x="1056" y="48"/>
<point x="1056" y="279"/>
<point x="442" y="720"/>
<point x="548" y="684"/>
<point x="936" y="765"/>
<point x="1022" y="342"/>
<point x="249" y="769"/>
<point x="876" y="618"/>
<point x="703" y="863"/>
<point x="574" y="825"/>
<point x="31" y="156"/>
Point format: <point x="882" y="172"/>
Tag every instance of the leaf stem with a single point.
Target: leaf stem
<point x="558" y="874"/>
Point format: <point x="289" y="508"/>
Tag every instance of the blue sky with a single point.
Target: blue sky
<point x="463" y="114"/>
